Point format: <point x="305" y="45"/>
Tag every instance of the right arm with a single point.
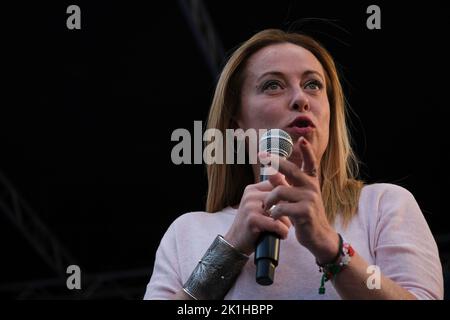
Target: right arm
<point x="250" y="220"/>
<point x="181" y="295"/>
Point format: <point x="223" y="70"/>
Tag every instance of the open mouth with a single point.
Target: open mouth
<point x="302" y="122"/>
<point x="301" y="126"/>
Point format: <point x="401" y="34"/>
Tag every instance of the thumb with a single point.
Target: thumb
<point x="278" y="179"/>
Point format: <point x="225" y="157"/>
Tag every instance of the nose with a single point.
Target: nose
<point x="299" y="101"/>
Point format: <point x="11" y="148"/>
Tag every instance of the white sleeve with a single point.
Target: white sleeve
<point x="405" y="249"/>
<point x="165" y="280"/>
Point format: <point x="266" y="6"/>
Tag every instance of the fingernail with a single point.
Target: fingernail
<point x="263" y="154"/>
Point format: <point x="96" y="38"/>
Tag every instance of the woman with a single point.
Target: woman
<point x="371" y="241"/>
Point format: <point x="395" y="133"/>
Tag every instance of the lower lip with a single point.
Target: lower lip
<point x="300" y="131"/>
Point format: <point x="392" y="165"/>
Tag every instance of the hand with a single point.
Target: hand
<point x="297" y="195"/>
<point x="251" y="219"/>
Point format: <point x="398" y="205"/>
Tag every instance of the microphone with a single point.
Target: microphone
<point x="278" y="142"/>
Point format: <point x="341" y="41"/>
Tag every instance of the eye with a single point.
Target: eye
<point x="314" y="85"/>
<point x="272" y="85"/>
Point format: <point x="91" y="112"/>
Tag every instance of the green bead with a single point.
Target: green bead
<point x="321" y="290"/>
<point x="335" y="269"/>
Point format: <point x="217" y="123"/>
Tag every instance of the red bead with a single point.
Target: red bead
<point x="351" y="252"/>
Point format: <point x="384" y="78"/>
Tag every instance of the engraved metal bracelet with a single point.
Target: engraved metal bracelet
<point x="216" y="272"/>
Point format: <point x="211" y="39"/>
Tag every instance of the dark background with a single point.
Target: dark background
<point x="87" y="115"/>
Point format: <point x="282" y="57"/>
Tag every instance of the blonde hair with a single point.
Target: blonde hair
<point x="339" y="165"/>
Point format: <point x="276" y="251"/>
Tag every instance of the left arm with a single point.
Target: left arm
<point x="297" y="195"/>
<point x="350" y="283"/>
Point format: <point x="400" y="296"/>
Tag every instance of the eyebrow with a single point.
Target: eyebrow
<point x="279" y="73"/>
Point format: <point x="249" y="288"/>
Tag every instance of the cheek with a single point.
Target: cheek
<point x="325" y="124"/>
<point x="259" y="113"/>
<point x="322" y="114"/>
<point x="326" y="120"/>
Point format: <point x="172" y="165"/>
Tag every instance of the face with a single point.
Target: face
<point x="284" y="87"/>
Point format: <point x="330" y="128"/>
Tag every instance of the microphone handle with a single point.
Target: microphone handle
<point x="266" y="254"/>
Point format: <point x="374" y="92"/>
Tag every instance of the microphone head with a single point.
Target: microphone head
<point x="276" y="141"/>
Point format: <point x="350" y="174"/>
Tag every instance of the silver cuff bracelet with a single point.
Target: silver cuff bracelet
<point x="216" y="272"/>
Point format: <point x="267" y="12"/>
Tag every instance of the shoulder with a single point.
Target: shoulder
<point x="389" y="202"/>
<point x="193" y="232"/>
<point x="385" y="189"/>
<point x="202" y="216"/>
<point x="380" y="200"/>
<point x="203" y="222"/>
<point x="386" y="193"/>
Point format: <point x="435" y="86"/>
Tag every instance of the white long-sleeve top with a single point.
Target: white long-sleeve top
<point x="389" y="231"/>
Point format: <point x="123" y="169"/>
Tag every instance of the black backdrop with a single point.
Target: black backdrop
<point x="87" y="115"/>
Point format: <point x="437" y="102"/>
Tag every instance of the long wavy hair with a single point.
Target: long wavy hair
<point x="339" y="165"/>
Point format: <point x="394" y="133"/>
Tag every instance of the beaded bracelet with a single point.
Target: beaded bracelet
<point x="330" y="270"/>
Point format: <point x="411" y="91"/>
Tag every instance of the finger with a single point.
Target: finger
<point x="285" y="220"/>
<point x="269" y="164"/>
<point x="263" y="157"/>
<point x="261" y="186"/>
<point x="296" y="157"/>
<point x="309" y="158"/>
<point x="281" y="193"/>
<point x="291" y="171"/>
<point x="278" y="179"/>
<point x="253" y="201"/>
<point x="294" y="211"/>
<point x="267" y="224"/>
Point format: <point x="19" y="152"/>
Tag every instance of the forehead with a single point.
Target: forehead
<point x="284" y="57"/>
